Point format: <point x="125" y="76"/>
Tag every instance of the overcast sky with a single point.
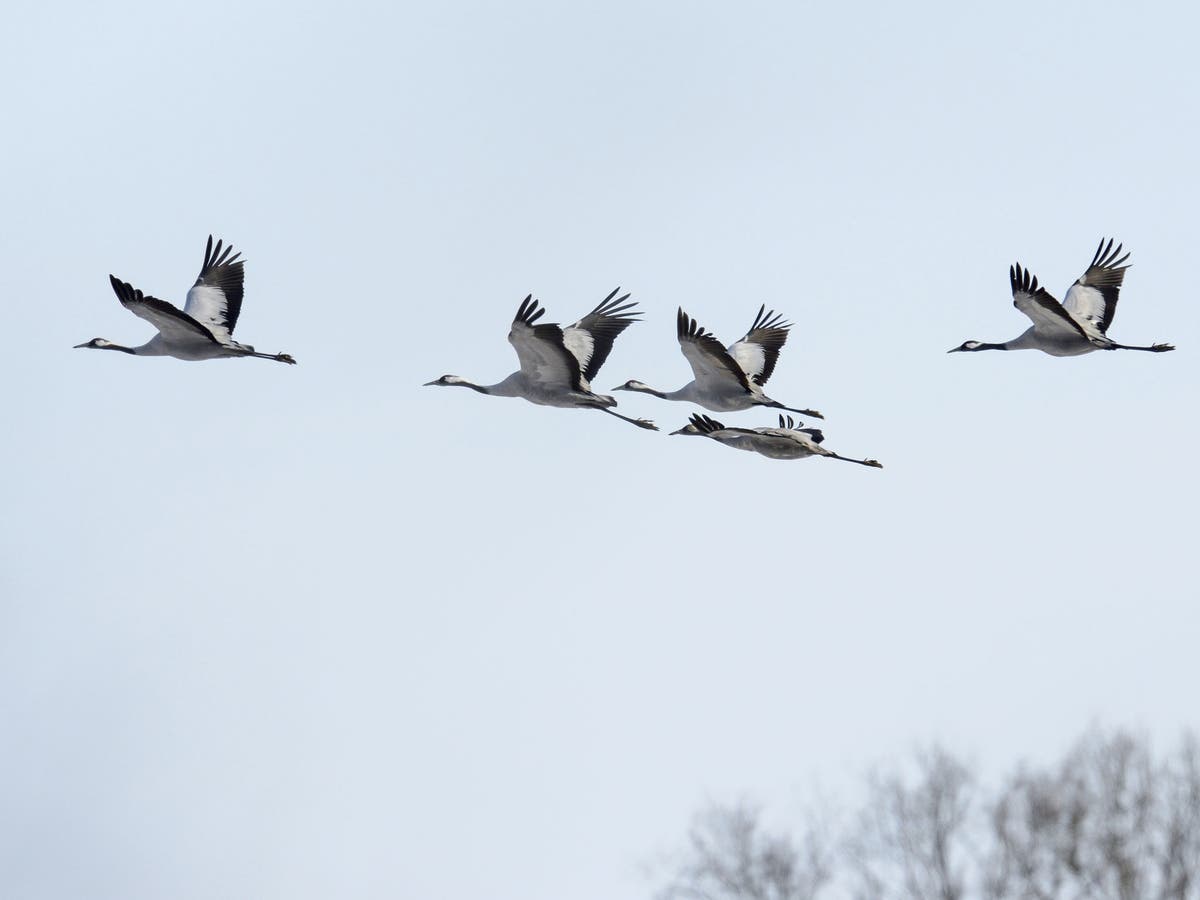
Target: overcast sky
<point x="321" y="632"/>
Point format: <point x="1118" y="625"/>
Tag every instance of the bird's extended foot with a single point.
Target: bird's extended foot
<point x="1162" y="348"/>
<point x="286" y="358"/>
<point x="811" y="413"/>
<point x="645" y="423"/>
<point x="873" y="463"/>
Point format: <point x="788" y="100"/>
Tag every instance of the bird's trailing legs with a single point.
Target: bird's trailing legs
<point x="811" y="413"/>
<point x="873" y="463"/>
<point x="640" y="423"/>
<point x="278" y="357"/>
<point x="1154" y="348"/>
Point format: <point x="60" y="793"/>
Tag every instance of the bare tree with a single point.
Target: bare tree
<point x="1180" y="859"/>
<point x="1109" y="822"/>
<point x="1035" y="849"/>
<point x="912" y="840"/>
<point x="730" y="856"/>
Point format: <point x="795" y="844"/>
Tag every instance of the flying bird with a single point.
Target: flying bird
<point x="741" y="438"/>
<point x="728" y="379"/>
<point x="1080" y="323"/>
<point x="557" y="363"/>
<point x="203" y="329"/>
<point x="788" y="441"/>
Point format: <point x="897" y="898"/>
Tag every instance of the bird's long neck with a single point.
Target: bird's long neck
<point x="661" y="395"/>
<point x="509" y="387"/>
<point x="687" y="393"/>
<point x="132" y="351"/>
<point x="156" y="346"/>
<point x="1004" y="346"/>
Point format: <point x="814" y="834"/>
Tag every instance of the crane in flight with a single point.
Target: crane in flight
<point x="203" y="329"/>
<point x="558" y="363"/>
<point x="728" y="379"/>
<point x="1080" y="323"/>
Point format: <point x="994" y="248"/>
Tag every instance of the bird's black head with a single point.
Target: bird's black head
<point x="966" y="347"/>
<point x="443" y="381"/>
<point x="95" y="344"/>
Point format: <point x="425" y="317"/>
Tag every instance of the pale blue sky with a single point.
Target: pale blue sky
<point x="320" y="632"/>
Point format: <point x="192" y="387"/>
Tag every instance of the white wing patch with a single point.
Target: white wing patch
<point x="207" y="305"/>
<point x="750" y="357"/>
<point x="1086" y="304"/>
<point x="1093" y="297"/>
<point x="580" y="344"/>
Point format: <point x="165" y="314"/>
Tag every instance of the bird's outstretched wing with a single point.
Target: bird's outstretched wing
<point x="758" y="351"/>
<point x="590" y="339"/>
<point x="544" y="358"/>
<point x="1047" y="314"/>
<point x="739" y="438"/>
<point x="215" y="300"/>
<point x="1093" y="296"/>
<point x="711" y="363"/>
<point x="172" y="323"/>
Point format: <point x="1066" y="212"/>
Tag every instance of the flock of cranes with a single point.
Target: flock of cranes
<point x="558" y="364"/>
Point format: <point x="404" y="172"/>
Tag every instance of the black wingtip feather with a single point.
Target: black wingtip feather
<point x="1106" y="257"/>
<point x="125" y="291"/>
<point x="214" y="255"/>
<point x="770" y="332"/>
<point x="705" y="424"/>
<point x="613" y="306"/>
<point x="605" y="323"/>
<point x="1022" y="280"/>
<point x="768" y="318"/>
<point x="689" y="327"/>
<point x="528" y="312"/>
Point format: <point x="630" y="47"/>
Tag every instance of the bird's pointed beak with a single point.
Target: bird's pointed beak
<point x="77" y="346"/>
<point x="683" y="430"/>
<point x="954" y="350"/>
